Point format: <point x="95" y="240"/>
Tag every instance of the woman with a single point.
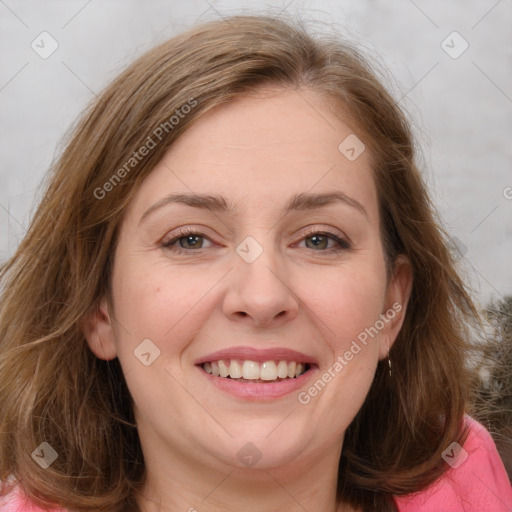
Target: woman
<point x="235" y="296"/>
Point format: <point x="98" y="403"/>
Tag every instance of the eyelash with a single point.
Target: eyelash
<point x="343" y="244"/>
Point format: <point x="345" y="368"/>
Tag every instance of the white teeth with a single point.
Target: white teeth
<point x="268" y="371"/>
<point x="282" y="369"/>
<point x="235" y="370"/>
<point x="252" y="370"/>
<point x="223" y="369"/>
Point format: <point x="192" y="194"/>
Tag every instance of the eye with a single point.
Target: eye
<point x="189" y="240"/>
<point x="186" y="241"/>
<point x="319" y="242"/>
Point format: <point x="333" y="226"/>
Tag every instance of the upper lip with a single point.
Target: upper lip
<point x="259" y="355"/>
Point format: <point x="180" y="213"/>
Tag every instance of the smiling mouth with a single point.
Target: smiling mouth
<point x="255" y="372"/>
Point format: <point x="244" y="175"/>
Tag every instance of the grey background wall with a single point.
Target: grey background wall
<point x="451" y="61"/>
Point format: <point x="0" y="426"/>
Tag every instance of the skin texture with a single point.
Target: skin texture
<point x="257" y="152"/>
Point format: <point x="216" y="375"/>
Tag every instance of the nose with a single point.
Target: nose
<point x="260" y="292"/>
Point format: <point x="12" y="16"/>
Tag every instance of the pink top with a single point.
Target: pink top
<point x="476" y="482"/>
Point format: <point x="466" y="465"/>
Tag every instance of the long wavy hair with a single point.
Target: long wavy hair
<point x="54" y="389"/>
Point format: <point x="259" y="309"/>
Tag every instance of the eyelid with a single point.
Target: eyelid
<point x="316" y="228"/>
<point x="184" y="232"/>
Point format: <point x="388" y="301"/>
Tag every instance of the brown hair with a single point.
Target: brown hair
<point x="52" y="387"/>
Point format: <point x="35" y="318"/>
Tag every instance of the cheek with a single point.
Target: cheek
<point x="346" y="302"/>
<point x="344" y="308"/>
<point x="158" y="302"/>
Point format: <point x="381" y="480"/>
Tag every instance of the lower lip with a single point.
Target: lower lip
<point x="258" y="390"/>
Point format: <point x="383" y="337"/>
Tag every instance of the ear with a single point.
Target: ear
<point x="98" y="330"/>
<point x="395" y="306"/>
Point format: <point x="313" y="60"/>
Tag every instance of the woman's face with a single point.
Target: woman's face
<point x="251" y="253"/>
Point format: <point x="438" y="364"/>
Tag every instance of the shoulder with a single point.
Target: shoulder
<point x="476" y="480"/>
<point x="15" y="500"/>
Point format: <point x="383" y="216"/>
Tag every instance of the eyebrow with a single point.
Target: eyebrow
<point x="217" y="203"/>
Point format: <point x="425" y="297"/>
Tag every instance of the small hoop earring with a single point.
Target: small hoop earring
<point x="389" y="361"/>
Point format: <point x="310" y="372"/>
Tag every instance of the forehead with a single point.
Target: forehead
<point x="261" y="149"/>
